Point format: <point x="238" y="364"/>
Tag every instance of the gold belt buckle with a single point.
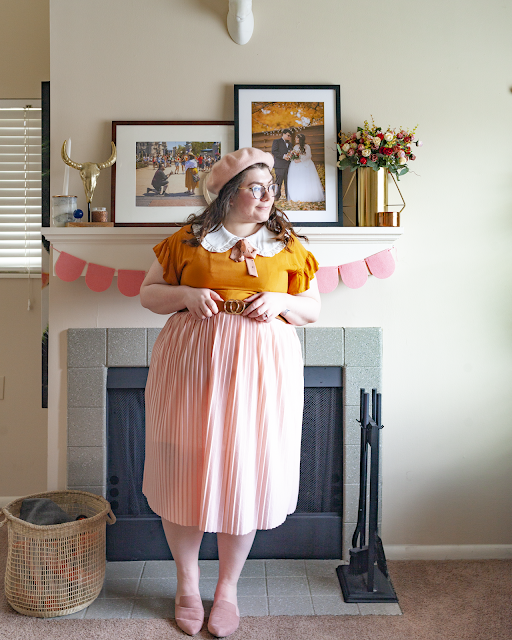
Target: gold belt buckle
<point x="234" y="307"/>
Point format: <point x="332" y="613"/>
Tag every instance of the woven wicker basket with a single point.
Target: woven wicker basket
<point x="57" y="569"/>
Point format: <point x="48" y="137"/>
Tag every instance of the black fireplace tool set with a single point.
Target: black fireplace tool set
<point x="366" y="578"/>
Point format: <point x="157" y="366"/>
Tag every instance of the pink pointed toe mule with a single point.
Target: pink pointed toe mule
<point x="223" y="619"/>
<point x="189" y="614"/>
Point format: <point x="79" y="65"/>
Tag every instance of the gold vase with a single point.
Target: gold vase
<point x="372" y="196"/>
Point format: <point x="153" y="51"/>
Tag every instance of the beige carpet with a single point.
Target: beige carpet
<point x="440" y="601"/>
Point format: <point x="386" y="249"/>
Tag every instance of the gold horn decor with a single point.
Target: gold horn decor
<point x="89" y="171"/>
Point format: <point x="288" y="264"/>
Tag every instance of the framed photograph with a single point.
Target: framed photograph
<point x="159" y="177"/>
<point x="299" y="126"/>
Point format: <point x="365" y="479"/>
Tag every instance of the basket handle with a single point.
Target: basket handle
<point x="3" y="521"/>
<point x="110" y="518"/>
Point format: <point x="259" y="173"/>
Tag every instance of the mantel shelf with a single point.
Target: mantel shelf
<point x="130" y="247"/>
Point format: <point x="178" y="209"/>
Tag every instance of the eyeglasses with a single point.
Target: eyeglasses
<point x="258" y="190"/>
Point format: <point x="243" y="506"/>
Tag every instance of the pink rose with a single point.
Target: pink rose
<point x="373" y="157"/>
<point x="412" y="157"/>
<point x="360" y="147"/>
<point x="350" y="152"/>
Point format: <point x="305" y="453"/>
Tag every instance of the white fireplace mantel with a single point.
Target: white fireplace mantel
<point x="131" y="247"/>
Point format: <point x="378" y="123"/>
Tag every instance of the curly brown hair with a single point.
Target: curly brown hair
<point x="215" y="213"/>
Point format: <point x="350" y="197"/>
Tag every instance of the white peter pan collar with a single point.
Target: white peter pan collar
<point x="263" y="241"/>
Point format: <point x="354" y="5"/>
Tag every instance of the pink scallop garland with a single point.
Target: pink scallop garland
<point x="99" y="278"/>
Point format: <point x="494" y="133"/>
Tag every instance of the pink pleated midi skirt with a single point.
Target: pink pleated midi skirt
<point x="224" y="401"/>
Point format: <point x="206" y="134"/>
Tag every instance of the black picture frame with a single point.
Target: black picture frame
<point x="246" y="96"/>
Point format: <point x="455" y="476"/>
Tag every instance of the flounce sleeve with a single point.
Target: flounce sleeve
<point x="299" y="279"/>
<point x="165" y="256"/>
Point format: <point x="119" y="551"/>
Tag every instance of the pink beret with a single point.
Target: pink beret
<point x="233" y="163"/>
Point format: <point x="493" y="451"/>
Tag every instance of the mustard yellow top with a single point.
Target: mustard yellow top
<point x="284" y="272"/>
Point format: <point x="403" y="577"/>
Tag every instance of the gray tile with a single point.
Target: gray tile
<point x="288" y="586"/>
<point x="152" y="335"/>
<point x="112" y="608"/>
<point x="300" y="335"/>
<point x="87" y="387"/>
<point x="97" y="490"/>
<point x="126" y="348"/>
<point x="351" y="426"/>
<point x="157" y="587"/>
<point x="159" y="569"/>
<point x="355" y="378"/>
<point x="351" y="460"/>
<point x="324" y="346"/>
<point x="333" y="606"/>
<point x="253" y="569"/>
<point x="86" y="466"/>
<point x="119" y="588"/>
<point x="252" y="587"/>
<point x="350" y="502"/>
<point x="86" y="427"/>
<point x="124" y="570"/>
<point x="285" y="568"/>
<point x="209" y="568"/>
<point x="253" y="606"/>
<point x="87" y="347"/>
<point x="324" y="585"/>
<point x="207" y="588"/>
<point x="363" y="346"/>
<point x="161" y="608"/>
<point x="379" y="609"/>
<point x="286" y="606"/>
<point x="322" y="567"/>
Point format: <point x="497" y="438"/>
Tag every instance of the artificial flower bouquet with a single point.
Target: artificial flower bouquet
<point x="372" y="147"/>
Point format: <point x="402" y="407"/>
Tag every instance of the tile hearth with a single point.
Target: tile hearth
<point x="266" y="587"/>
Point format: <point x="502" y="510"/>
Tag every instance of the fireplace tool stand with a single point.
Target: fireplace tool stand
<point x="366" y="578"/>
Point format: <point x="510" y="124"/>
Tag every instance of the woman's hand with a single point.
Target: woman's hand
<point x="298" y="160"/>
<point x="201" y="302"/>
<point x="265" y="306"/>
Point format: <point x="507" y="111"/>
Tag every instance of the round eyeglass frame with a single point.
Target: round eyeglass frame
<point x="272" y="190"/>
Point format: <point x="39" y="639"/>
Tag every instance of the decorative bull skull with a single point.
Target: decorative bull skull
<point x="89" y="171"/>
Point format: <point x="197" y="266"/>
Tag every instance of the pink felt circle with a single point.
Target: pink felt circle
<point x="328" y="279"/>
<point x="98" y="278"/>
<point x="354" y="274"/>
<point x="129" y="282"/>
<point x="382" y="264"/>
<point x="68" y="267"/>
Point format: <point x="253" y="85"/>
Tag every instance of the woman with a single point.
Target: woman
<point x="191" y="171"/>
<point x="225" y="387"/>
<point x="303" y="182"/>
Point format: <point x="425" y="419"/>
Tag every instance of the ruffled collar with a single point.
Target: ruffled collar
<point x="263" y="241"/>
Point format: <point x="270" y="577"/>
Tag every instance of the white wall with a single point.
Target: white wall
<point x="446" y="311"/>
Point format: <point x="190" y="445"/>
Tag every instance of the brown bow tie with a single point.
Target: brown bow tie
<point x="241" y="251"/>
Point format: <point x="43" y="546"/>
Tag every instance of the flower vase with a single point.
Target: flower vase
<point x="372" y="196"/>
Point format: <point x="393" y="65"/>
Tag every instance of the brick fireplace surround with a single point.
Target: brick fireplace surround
<point x="91" y="351"/>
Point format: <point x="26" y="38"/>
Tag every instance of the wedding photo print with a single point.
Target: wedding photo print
<point x="171" y="173"/>
<point x="293" y="132"/>
<point x="298" y="125"/>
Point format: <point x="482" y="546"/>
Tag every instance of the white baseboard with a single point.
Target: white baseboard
<point x="448" y="551"/>
<point x="5" y="500"/>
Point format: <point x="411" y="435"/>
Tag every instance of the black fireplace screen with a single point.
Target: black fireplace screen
<point x="321" y="450"/>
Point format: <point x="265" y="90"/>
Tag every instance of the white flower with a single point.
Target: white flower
<point x="401" y="154"/>
<point x="366" y="152"/>
<point x="358" y="135"/>
<point x="346" y="146"/>
<point x="402" y="161"/>
<point x="342" y="157"/>
<point x="388" y="137"/>
<point x="376" y="141"/>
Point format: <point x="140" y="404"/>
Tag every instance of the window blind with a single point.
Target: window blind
<point x="20" y="186"/>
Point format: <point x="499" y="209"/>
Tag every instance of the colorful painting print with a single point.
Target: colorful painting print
<point x="293" y="132"/>
<point x="172" y="173"/>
